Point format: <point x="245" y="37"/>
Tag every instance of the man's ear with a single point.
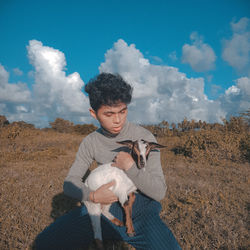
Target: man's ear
<point x="93" y="113"/>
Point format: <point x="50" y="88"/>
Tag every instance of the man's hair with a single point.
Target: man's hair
<point x="108" y="89"/>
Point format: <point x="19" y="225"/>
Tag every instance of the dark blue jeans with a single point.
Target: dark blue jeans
<point x="73" y="230"/>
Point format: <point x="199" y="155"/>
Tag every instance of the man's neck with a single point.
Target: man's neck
<point x="107" y="133"/>
<point x="110" y="135"/>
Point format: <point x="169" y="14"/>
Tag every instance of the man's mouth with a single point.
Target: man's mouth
<point x="117" y="128"/>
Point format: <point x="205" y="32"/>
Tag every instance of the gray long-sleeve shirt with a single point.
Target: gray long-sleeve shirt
<point x="103" y="147"/>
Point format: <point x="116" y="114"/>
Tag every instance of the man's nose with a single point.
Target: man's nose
<point x="117" y="118"/>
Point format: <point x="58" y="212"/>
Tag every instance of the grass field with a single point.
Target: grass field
<point x="207" y="173"/>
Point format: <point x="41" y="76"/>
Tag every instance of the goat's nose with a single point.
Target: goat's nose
<point x="142" y="163"/>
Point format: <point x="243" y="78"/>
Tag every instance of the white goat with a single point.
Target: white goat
<point x="123" y="188"/>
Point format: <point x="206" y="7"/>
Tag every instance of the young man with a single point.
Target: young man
<point x="109" y="96"/>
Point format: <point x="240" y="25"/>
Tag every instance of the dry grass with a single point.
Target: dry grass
<point x="206" y="206"/>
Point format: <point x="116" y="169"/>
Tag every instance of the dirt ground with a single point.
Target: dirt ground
<point x="206" y="206"/>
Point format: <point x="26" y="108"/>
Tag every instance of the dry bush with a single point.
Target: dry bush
<point x="84" y="129"/>
<point x="210" y="143"/>
<point x="22" y="124"/>
<point x="207" y="206"/>
<point x="160" y="130"/>
<point x="62" y="126"/>
<point x="245" y="147"/>
<point x="65" y="126"/>
<point x="207" y="202"/>
<point x="3" y="121"/>
<point x="212" y="146"/>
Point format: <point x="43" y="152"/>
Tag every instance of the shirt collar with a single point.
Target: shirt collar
<point x="110" y="135"/>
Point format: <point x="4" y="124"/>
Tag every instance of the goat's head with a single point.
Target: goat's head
<point x="140" y="150"/>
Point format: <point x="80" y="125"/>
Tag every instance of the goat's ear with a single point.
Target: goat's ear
<point x="154" y="145"/>
<point x="127" y="143"/>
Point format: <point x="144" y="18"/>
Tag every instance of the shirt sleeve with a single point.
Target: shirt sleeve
<point x="73" y="184"/>
<point x="150" y="180"/>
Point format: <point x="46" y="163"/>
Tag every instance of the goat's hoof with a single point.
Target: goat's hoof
<point x="99" y="244"/>
<point x="117" y="222"/>
<point x="131" y="234"/>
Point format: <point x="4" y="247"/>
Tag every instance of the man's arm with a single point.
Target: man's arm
<point x="151" y="181"/>
<point x="73" y="184"/>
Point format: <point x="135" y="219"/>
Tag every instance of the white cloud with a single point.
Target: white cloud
<point x="156" y="59"/>
<point x="12" y="97"/>
<point x="173" y="56"/>
<point x="241" y="26"/>
<point x="55" y="93"/>
<point x="237" y="97"/>
<point x="12" y="93"/>
<point x="17" y="71"/>
<point x="233" y="90"/>
<point x="199" y="55"/>
<point x="160" y="92"/>
<point x="236" y="51"/>
<point x="214" y="89"/>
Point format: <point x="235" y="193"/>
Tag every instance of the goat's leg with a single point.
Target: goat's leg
<point x="106" y="213"/>
<point x="94" y="210"/>
<point x="128" y="212"/>
<point x="131" y="202"/>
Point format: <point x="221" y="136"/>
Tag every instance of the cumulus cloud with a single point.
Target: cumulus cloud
<point x="160" y="92"/>
<point x="199" y="55"/>
<point x="54" y="93"/>
<point x="236" y="51"/>
<point x="15" y="93"/>
<point x="15" y="98"/>
<point x="237" y="97"/>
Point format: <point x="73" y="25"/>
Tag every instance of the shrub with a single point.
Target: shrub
<point x="62" y="126"/>
<point x="65" y="126"/>
<point x="3" y="121"/>
<point x="245" y="147"/>
<point x="22" y="124"/>
<point x="84" y="129"/>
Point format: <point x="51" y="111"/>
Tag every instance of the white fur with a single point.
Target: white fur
<point x="123" y="187"/>
<point x="98" y="177"/>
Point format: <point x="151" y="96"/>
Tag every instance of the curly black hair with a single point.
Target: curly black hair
<point x="108" y="89"/>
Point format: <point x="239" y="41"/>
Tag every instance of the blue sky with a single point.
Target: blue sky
<point x="84" y="31"/>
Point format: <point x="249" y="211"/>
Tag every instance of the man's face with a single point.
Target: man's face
<point x="111" y="118"/>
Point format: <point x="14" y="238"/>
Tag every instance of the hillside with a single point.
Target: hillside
<point x="206" y="169"/>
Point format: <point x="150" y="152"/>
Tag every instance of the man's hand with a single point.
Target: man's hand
<point x="123" y="161"/>
<point x="103" y="195"/>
